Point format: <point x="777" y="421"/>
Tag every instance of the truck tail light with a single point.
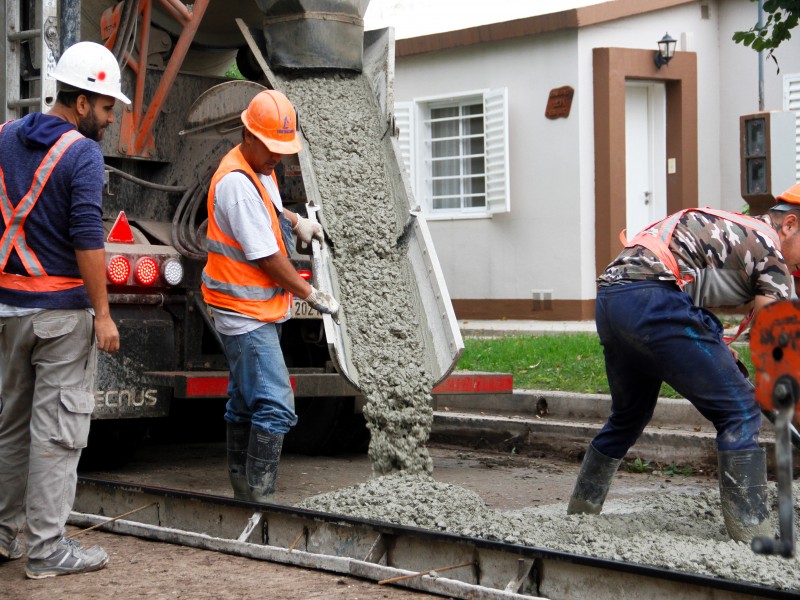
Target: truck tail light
<point x="118" y="270"/>
<point x="172" y="270"/>
<point x="305" y="274"/>
<point x="146" y="271"/>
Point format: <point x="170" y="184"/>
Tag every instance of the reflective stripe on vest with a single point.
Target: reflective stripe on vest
<point x="14" y="219"/>
<point x="658" y="242"/>
<point x="230" y="280"/>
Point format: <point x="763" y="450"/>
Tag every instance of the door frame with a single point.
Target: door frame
<point x="612" y="67"/>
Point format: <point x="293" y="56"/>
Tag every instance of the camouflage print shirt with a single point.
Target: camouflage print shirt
<point x="731" y="264"/>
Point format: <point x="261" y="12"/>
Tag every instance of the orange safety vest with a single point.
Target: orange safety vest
<point x="13" y="237"/>
<point x="658" y="243"/>
<point x="230" y="280"/>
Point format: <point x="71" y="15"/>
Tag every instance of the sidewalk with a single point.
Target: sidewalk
<point x="478" y="328"/>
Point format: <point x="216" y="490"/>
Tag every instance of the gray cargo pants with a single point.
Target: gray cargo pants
<point x="47" y="364"/>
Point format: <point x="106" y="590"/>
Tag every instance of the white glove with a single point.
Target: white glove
<point x="306" y="230"/>
<point x="323" y="302"/>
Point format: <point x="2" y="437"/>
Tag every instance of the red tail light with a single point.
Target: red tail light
<point x="305" y="274"/>
<point x="119" y="269"/>
<point x="146" y="271"/>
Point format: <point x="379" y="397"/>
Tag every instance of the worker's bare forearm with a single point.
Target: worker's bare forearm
<point x="92" y="265"/>
<point x="760" y="302"/>
<point x="281" y="271"/>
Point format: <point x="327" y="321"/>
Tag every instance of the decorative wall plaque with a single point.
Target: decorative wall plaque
<point x="559" y="102"/>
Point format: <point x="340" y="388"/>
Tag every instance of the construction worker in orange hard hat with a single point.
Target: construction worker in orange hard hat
<point x="654" y="322"/>
<point x="248" y="283"/>
<point x="54" y="310"/>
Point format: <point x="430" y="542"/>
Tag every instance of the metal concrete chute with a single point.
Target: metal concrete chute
<point x="441" y="339"/>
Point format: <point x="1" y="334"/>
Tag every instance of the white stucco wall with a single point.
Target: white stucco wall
<point x="502" y="256"/>
<point x="546" y="242"/>
<point x="739" y="88"/>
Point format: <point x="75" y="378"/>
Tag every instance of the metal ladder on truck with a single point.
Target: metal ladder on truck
<point x="29" y="54"/>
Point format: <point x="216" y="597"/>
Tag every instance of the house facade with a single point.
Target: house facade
<point x="531" y="144"/>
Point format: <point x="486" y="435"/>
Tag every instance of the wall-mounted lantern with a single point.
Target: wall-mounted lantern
<point x="666" y="50"/>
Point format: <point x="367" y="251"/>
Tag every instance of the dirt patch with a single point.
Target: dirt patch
<point x="143" y="569"/>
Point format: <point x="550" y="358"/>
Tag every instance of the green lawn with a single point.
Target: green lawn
<point x="566" y="362"/>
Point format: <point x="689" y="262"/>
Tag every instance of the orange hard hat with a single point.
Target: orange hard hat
<point x="792" y="195"/>
<point x="273" y="120"/>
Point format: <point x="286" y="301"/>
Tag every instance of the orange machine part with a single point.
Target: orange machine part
<point x="775" y="351"/>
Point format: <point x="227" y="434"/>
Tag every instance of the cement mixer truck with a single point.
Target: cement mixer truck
<point x="190" y="69"/>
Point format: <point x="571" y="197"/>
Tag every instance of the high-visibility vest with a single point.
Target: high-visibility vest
<point x="658" y="243"/>
<point x="13" y="238"/>
<point x="230" y="280"/>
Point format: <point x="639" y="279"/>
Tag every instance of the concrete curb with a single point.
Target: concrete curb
<point x="543" y="421"/>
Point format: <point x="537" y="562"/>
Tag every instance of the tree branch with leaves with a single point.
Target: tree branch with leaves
<point x="781" y="17"/>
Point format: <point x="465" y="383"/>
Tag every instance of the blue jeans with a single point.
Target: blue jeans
<point x="651" y="332"/>
<point x="259" y="388"/>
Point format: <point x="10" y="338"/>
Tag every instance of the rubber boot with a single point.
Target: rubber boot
<point x="238" y="437"/>
<point x="263" y="455"/>
<point x="743" y="493"/>
<point x="594" y="479"/>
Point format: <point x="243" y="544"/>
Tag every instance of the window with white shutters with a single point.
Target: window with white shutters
<point x="455" y="150"/>
<point x="791" y="101"/>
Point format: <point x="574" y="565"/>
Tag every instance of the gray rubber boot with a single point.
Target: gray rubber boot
<point x="743" y="493"/>
<point x="263" y="455"/>
<point x="594" y="479"/>
<point x="238" y="438"/>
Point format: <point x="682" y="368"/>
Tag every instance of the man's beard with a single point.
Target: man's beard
<point x="90" y="127"/>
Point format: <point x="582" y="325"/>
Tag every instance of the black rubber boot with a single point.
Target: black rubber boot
<point x="263" y="455"/>
<point x="743" y="493"/>
<point x="594" y="479"/>
<point x="238" y="437"/>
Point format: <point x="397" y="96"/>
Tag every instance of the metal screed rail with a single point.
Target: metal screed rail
<point x="385" y="553"/>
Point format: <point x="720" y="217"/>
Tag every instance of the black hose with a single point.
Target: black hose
<point x="144" y="183"/>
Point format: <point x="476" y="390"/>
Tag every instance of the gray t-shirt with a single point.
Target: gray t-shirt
<point x="238" y="208"/>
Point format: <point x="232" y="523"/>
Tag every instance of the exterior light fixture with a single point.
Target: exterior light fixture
<point x="666" y="50"/>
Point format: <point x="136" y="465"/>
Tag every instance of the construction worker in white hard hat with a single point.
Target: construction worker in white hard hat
<point x="54" y="311"/>
<point x="248" y="284"/>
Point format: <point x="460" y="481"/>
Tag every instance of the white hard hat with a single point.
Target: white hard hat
<point x="92" y="67"/>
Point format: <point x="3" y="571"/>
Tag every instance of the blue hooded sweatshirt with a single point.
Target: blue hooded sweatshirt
<point x="68" y="215"/>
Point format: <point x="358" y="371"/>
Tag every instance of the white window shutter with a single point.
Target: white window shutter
<point x="404" y="119"/>
<point x="791" y="101"/>
<point x="495" y="115"/>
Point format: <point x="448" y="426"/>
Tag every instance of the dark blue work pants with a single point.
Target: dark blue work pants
<point x="651" y="332"/>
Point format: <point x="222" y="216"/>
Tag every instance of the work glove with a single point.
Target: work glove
<point x="323" y="302"/>
<point x="308" y="230"/>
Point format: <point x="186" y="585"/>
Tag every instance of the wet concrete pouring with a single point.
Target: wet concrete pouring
<point x="667" y="521"/>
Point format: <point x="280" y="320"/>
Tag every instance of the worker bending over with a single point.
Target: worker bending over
<point x="248" y="284"/>
<point x="654" y="327"/>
